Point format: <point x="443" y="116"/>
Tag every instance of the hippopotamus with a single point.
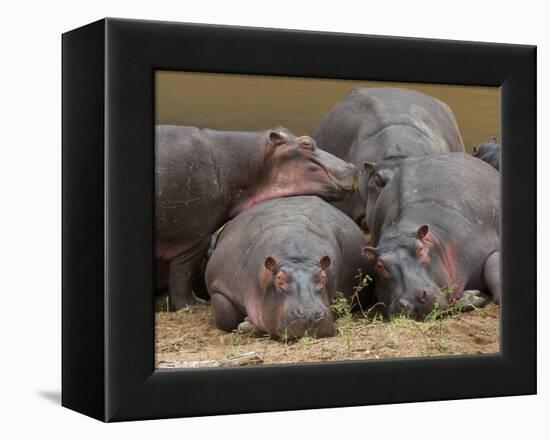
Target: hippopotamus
<point x="205" y="177"/>
<point x="436" y="234"/>
<point x="374" y="124"/>
<point x="489" y="152"/>
<point x="281" y="263"/>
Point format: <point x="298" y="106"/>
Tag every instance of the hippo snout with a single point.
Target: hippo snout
<point x="312" y="316"/>
<point x="351" y="181"/>
<point x="345" y="180"/>
<point x="409" y="308"/>
<point x="400" y="306"/>
<point x="315" y="323"/>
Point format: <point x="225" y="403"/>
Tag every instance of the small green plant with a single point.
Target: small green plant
<point x="363" y="280"/>
<point x="441" y="306"/>
<point x="344" y="318"/>
<point x="305" y="341"/>
<point x="341" y="306"/>
<point x="285" y="337"/>
<point x="401" y="319"/>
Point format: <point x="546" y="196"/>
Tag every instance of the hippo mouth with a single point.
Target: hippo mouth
<point x="400" y="308"/>
<point x="299" y="328"/>
<point x="340" y="192"/>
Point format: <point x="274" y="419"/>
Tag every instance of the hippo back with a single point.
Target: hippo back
<point x="455" y="191"/>
<point x="367" y="113"/>
<point x="373" y="124"/>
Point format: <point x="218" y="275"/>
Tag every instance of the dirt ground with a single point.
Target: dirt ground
<point x="189" y="339"/>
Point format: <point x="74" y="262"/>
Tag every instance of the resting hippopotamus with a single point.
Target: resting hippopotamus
<point x="281" y="263"/>
<point x="373" y="124"/>
<point x="205" y="177"/>
<point x="489" y="152"/>
<point x="436" y="229"/>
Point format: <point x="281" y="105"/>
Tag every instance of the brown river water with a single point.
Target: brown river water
<point x="252" y="102"/>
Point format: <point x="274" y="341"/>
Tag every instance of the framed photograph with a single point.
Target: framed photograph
<point x="262" y="219"/>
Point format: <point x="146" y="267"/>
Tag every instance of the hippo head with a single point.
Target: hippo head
<point x="295" y="166"/>
<point x="488" y="152"/>
<point x="411" y="273"/>
<point x="297" y="299"/>
<point x="477" y="150"/>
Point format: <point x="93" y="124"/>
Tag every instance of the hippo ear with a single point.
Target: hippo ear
<point x="493" y="140"/>
<point x="370" y="252"/>
<point x="271" y="264"/>
<point x="325" y="262"/>
<point x="277" y="138"/>
<point x="474" y="152"/>
<point x="422" y="231"/>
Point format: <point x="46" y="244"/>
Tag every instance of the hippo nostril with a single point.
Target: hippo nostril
<point x="422" y="295"/>
<point x="299" y="312"/>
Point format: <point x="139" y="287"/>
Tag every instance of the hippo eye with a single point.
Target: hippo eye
<point x="378" y="181"/>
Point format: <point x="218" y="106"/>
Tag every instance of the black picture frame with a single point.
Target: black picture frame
<point x="108" y="155"/>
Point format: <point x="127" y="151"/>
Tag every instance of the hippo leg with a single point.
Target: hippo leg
<point x="474" y="299"/>
<point x="491" y="272"/>
<point x="181" y="272"/>
<point x="227" y="317"/>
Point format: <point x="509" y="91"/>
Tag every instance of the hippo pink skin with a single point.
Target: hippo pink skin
<point x="205" y="177"/>
<point x="281" y="263"/>
<point x="376" y="124"/>
<point x="436" y="225"/>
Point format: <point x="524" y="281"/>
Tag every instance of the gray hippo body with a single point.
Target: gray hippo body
<point x="205" y="177"/>
<point x="489" y="152"/>
<point x="281" y="264"/>
<point x="436" y="229"/>
<point x="375" y="124"/>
